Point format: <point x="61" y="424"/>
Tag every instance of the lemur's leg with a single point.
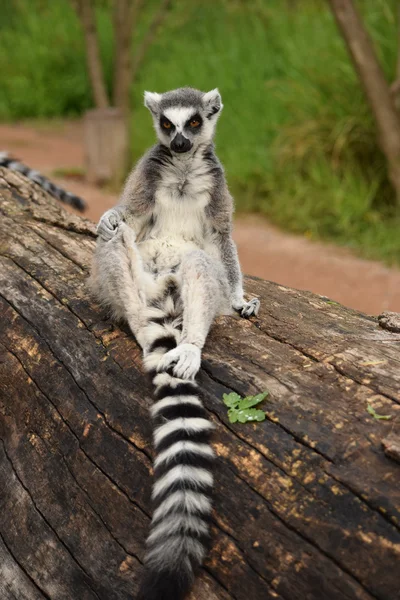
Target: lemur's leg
<point x="205" y="293"/>
<point x="118" y="276"/>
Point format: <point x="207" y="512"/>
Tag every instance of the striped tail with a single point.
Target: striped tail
<point x="51" y="188"/>
<point x="182" y="469"/>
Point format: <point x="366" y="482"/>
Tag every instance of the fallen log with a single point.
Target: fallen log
<point x="307" y="504"/>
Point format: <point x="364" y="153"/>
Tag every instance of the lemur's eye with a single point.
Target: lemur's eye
<point x="166" y="124"/>
<point x="194" y="123"/>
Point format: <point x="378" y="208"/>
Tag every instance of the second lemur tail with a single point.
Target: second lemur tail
<point x="183" y="465"/>
<point x="46" y="184"/>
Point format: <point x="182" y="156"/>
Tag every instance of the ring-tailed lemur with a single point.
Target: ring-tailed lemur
<point x="165" y="262"/>
<point x="51" y="188"/>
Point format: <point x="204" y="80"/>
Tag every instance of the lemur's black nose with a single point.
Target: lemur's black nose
<point x="180" y="143"/>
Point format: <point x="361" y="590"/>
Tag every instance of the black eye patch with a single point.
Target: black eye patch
<point x="194" y="123"/>
<point x="166" y="124"/>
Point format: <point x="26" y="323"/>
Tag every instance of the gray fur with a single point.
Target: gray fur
<point x="165" y="262"/>
<point x="182" y="97"/>
<point x="138" y="196"/>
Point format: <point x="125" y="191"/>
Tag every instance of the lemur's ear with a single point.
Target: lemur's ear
<point x="152" y="101"/>
<point x="212" y="103"/>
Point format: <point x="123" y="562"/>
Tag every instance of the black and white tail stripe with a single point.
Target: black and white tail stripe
<point x="51" y="188"/>
<point x="183" y="477"/>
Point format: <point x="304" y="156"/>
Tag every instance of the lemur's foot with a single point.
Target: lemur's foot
<point x="108" y="224"/>
<point x="186" y="359"/>
<point x="247" y="309"/>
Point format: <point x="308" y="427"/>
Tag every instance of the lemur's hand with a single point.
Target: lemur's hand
<point x="247" y="309"/>
<point x="108" y="224"/>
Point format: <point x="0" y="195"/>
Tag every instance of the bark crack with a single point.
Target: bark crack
<point x="215" y="577"/>
<point x="278" y="424"/>
<point x="371" y="505"/>
<point x="63" y="544"/>
<point x="42" y="284"/>
<point x="60" y="360"/>
<point x="245" y="555"/>
<point x="216" y="523"/>
<point x="360" y="381"/>
<point x="90" y="459"/>
<point x="390" y="520"/>
<point x="341" y="372"/>
<point x="304" y="537"/>
<point x="89" y="501"/>
<point x="57" y="249"/>
<point x="21" y="566"/>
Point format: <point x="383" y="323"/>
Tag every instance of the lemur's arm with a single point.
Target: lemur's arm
<point x="220" y="212"/>
<point x="230" y="261"/>
<point x="137" y="199"/>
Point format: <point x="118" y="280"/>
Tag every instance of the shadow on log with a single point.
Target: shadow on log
<point x="307" y="504"/>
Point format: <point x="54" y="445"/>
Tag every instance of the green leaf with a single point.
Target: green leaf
<point x="246" y="416"/>
<point x="372" y="412"/>
<point x="254" y="414"/>
<point x="250" y="401"/>
<point x="240" y="409"/>
<point x="242" y="416"/>
<point x="233" y="415"/>
<point x="231" y="399"/>
<point x="259" y="415"/>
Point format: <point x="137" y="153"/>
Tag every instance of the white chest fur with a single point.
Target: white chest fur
<point x="181" y="198"/>
<point x="179" y="216"/>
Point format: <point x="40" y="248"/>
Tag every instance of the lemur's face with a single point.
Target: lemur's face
<point x="184" y="118"/>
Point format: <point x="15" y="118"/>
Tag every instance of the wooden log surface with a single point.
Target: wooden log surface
<point x="307" y="504"/>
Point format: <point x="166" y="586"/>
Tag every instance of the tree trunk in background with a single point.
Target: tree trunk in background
<point x="395" y="87"/>
<point x="398" y="43"/>
<point x="373" y="80"/>
<point x="107" y="130"/>
<point x="125" y="12"/>
<point x="86" y="12"/>
<point x="307" y="503"/>
<point x="106" y="146"/>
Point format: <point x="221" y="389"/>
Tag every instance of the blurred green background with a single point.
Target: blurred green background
<point x="296" y="136"/>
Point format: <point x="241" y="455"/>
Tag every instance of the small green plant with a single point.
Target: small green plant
<point x="241" y="409"/>
<point x="374" y="414"/>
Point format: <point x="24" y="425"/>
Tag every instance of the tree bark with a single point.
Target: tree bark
<point x="125" y="12"/>
<point x="106" y="146"/>
<point x="395" y="87"/>
<point x="307" y="504"/>
<point x="373" y="80"/>
<point x="86" y="13"/>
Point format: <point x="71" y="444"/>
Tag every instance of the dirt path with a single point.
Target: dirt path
<point x="264" y="250"/>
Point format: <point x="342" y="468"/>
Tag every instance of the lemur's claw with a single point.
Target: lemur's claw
<point x="250" y="308"/>
<point x="108" y="224"/>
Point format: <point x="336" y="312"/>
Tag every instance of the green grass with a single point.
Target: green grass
<point x="296" y="135"/>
